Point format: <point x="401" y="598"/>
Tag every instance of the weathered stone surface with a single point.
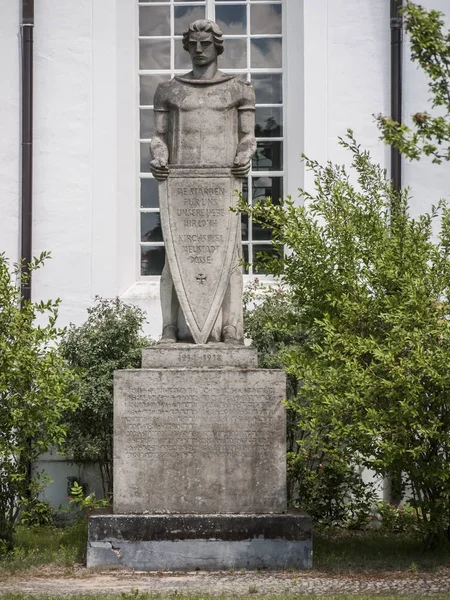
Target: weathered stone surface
<point x="199" y="355"/>
<point x="187" y="542"/>
<point x="200" y="234"/>
<point x="199" y="441"/>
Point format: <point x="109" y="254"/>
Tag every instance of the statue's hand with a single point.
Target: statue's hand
<point x="241" y="167"/>
<point x="159" y="169"/>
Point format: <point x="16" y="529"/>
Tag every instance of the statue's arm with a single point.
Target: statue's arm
<point x="158" y="146"/>
<point x="247" y="142"/>
<point x="159" y="149"/>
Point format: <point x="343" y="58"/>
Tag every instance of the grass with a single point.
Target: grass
<point x="335" y="551"/>
<point x="39" y="546"/>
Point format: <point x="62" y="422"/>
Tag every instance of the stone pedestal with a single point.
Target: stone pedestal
<point x="199" y="465"/>
<point x="189" y="542"/>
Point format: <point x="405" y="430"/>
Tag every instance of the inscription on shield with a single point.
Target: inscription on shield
<point x="200" y="234"/>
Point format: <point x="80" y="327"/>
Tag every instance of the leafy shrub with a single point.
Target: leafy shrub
<point x="72" y="480"/>
<point x="324" y="484"/>
<point x="110" y="339"/>
<point x="398" y="519"/>
<point x="332" y="492"/>
<point x="85" y="504"/>
<point x="36" y="512"/>
<point x="370" y="287"/>
<point x="35" y="389"/>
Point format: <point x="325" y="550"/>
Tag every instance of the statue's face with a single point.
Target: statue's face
<point x="201" y="47"/>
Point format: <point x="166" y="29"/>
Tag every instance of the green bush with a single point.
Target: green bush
<point x="37" y="513"/>
<point x="332" y="492"/>
<point x="110" y="339"/>
<point x="324" y="484"/>
<point x="370" y="289"/>
<point x="34" y="510"/>
<point x="397" y="519"/>
<point x="35" y="389"/>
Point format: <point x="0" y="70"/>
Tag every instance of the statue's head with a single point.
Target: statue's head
<point x="204" y="41"/>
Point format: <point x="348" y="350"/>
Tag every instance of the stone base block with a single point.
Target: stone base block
<point x="189" y="542"/>
<point x="216" y="355"/>
<point x="199" y="441"/>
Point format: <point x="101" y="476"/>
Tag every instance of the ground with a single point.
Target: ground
<point x="66" y="582"/>
<point x="356" y="565"/>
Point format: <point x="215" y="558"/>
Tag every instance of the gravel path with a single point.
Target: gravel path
<point x="221" y="583"/>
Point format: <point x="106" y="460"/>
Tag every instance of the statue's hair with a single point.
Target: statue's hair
<point x="207" y="26"/>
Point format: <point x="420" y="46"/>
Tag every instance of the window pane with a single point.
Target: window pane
<point x="151" y="227"/>
<point x="154" y="20"/>
<point x="232" y="19"/>
<point x="154" y="54"/>
<point x="244" y="218"/>
<point x="185" y="15"/>
<point x="268" y="157"/>
<point x="268" y="88"/>
<point x="266" y="53"/>
<point x="152" y="260"/>
<point x="260" y="232"/>
<point x="146" y="129"/>
<point x="149" y="83"/>
<point x="269" y="122"/>
<point x="145" y="157"/>
<point x="182" y="58"/>
<point x="244" y="227"/>
<point x="149" y="193"/>
<point x="264" y="250"/>
<point x="265" y="18"/>
<point x="245" y="256"/>
<point x="245" y="189"/>
<point x="265" y="187"/>
<point x="235" y="55"/>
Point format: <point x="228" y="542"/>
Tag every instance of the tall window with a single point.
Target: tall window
<point x="253" y="50"/>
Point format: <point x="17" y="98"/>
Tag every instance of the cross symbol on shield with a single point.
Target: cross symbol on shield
<point x="201" y="278"/>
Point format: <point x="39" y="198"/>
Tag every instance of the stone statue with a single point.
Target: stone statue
<point x="202" y="148"/>
<point x="227" y="472"/>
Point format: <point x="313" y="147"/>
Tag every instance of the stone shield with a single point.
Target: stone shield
<point x="200" y="234"/>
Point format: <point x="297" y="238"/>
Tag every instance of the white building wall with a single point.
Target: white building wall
<point x="9" y="129"/>
<point x="62" y="202"/>
<point x="347" y="81"/>
<point x="347" y="77"/>
<point x="358" y="73"/>
<point x="86" y="156"/>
